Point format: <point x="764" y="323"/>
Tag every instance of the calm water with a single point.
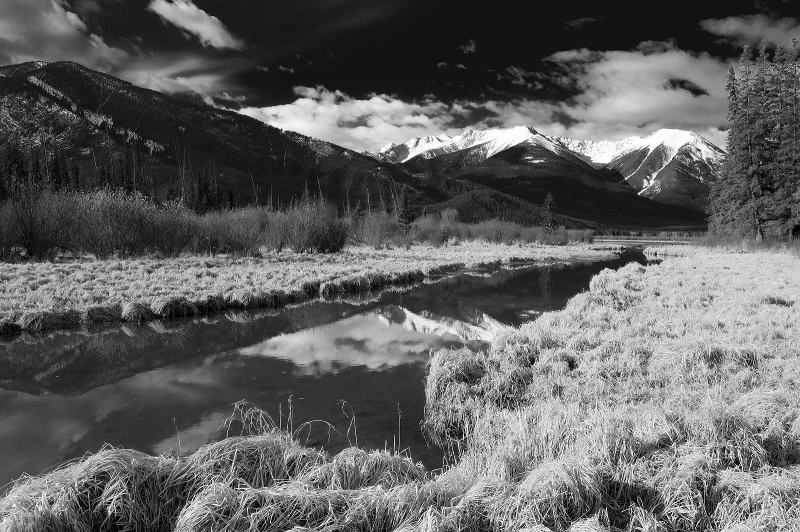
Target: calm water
<point x="167" y="387"/>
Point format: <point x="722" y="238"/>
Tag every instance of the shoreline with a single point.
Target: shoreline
<point x="41" y="297"/>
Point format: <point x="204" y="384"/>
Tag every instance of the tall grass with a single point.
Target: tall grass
<point x="439" y="229"/>
<point x="129" y="225"/>
<point x="306" y="226"/>
<point x="664" y="398"/>
<point x="39" y="224"/>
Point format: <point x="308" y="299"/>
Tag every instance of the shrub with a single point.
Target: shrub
<point x="176" y="226"/>
<point x="209" y="239"/>
<point x="437" y="230"/>
<point x="276" y="235"/>
<point x="129" y="225"/>
<point x="44" y="222"/>
<point x="117" y="222"/>
<point x="314" y="226"/>
<point x="7" y="232"/>
<point x="376" y="229"/>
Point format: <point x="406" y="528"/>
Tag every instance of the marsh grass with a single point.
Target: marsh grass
<point x="665" y="398"/>
<point x="442" y="228"/>
<point x="38" y="297"/>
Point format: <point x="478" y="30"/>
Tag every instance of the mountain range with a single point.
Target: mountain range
<point x="109" y="126"/>
<point x="672" y="167"/>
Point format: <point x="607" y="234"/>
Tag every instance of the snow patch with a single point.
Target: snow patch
<point x="49" y="90"/>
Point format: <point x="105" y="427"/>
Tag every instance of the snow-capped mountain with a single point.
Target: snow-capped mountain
<point x="484" y="144"/>
<point x="670" y="166"/>
<point x="399" y="153"/>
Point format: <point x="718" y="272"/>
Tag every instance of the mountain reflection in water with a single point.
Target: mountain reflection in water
<point x="150" y="387"/>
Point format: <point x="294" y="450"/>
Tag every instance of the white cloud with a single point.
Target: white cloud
<point x="355" y="123"/>
<point x="45" y="30"/>
<point x="619" y="94"/>
<point x="174" y="73"/>
<point x="191" y="19"/>
<point x="443" y="64"/>
<point x="751" y="29"/>
<point x="288" y="70"/>
<point x="630" y="92"/>
<point x="461" y="66"/>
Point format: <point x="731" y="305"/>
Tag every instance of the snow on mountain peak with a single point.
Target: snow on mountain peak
<point x="494" y="141"/>
<point x="670" y="140"/>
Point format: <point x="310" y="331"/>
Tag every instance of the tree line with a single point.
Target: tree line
<point x="25" y="166"/>
<point x="758" y="194"/>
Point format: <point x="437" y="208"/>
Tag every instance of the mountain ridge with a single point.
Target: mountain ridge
<point x="670" y="166"/>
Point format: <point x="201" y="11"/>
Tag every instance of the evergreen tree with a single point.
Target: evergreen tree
<point x="547" y="211"/>
<point x="757" y="190"/>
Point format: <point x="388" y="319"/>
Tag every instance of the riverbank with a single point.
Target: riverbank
<point x="664" y="398"/>
<point x="46" y="296"/>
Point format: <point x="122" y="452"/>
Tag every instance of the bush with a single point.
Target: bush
<point x="437" y="230"/>
<point x="116" y="222"/>
<point x="314" y="226"/>
<point x="376" y="229"/>
<point x="7" y="232"/>
<point x="44" y="222"/>
<point x="276" y="235"/>
<point x="178" y="226"/>
<point x="209" y="239"/>
<point x="129" y="225"/>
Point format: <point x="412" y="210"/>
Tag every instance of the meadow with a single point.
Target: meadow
<point x="71" y="259"/>
<point x="664" y="398"/>
<point x="40" y="296"/>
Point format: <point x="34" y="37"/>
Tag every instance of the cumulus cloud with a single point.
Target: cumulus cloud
<point x="751" y="29"/>
<point x="638" y="91"/>
<point x="193" y="20"/>
<point x="378" y="119"/>
<point x="616" y="94"/>
<point x="46" y="30"/>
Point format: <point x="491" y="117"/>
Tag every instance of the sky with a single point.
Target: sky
<point x="364" y="73"/>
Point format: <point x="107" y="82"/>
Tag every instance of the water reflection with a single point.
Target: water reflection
<point x="167" y="386"/>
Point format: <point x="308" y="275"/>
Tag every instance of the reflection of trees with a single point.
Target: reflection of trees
<point x="545" y="278"/>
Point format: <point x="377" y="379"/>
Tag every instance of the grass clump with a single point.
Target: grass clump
<point x="115" y="490"/>
<point x="355" y="468"/>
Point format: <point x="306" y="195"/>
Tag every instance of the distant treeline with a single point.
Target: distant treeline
<point x="758" y="195"/>
<point x="48" y="165"/>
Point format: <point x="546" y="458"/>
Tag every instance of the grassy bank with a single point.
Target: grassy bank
<point x="46" y="296"/>
<point x="663" y="399"/>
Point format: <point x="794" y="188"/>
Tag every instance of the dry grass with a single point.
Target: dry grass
<point x="664" y="399"/>
<point x="45" y="296"/>
<point x="639" y="400"/>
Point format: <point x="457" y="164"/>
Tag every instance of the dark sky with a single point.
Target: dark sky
<point x="366" y="72"/>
